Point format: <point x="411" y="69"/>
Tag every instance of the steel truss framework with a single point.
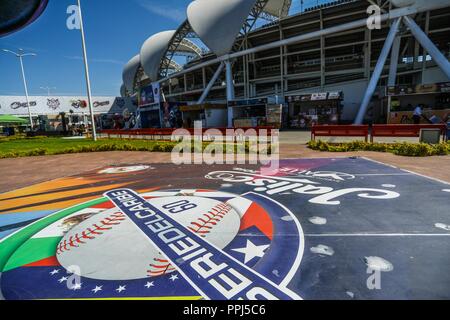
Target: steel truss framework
<point x="186" y="31"/>
<point x="368" y="40"/>
<point x="183" y="32"/>
<point x="175" y="66"/>
<point x="255" y="13"/>
<point x="137" y="79"/>
<point x="140" y="74"/>
<point x="331" y="55"/>
<point x="194" y="50"/>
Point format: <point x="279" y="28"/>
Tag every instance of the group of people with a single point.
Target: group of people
<point x="418" y="114"/>
<point x="77" y="129"/>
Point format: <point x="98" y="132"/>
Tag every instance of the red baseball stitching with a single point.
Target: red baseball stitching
<point x="202" y="227"/>
<point x="90" y="233"/>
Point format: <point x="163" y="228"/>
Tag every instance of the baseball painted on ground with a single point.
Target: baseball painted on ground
<point x="128" y="169"/>
<point x="109" y="246"/>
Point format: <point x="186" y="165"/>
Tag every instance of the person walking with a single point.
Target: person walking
<point x="417" y="116"/>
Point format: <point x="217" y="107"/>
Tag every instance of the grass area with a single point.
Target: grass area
<point x="401" y="149"/>
<point x="14" y="148"/>
<point x="39" y="146"/>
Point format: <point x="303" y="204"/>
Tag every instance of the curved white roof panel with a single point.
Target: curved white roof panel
<point x="123" y="91"/>
<point x="129" y="72"/>
<point x="152" y="52"/>
<point x="218" y="22"/>
<point x="275" y="7"/>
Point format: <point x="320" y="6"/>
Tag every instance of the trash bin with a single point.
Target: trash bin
<point x="430" y="136"/>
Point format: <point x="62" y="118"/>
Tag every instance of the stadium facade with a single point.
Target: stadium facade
<point x="323" y="65"/>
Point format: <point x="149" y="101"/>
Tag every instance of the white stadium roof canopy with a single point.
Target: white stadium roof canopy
<point x="154" y="48"/>
<point x="129" y="72"/>
<point x="123" y="90"/>
<point x="275" y="7"/>
<point x="152" y="52"/>
<point x="217" y="24"/>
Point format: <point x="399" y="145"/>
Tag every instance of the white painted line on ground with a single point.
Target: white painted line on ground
<point x="409" y="171"/>
<point x="329" y="235"/>
<point x="427" y="177"/>
<point x="382" y="174"/>
<point x="379" y="162"/>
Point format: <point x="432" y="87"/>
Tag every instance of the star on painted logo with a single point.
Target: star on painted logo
<point x="54" y="272"/>
<point x="97" y="289"/>
<point x="63" y="279"/>
<point x="76" y="286"/>
<point x="148" y="285"/>
<point x="174" y="277"/>
<point x="252" y="251"/>
<point x="121" y="288"/>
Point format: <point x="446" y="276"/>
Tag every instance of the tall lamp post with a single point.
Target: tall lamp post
<point x="48" y="90"/>
<point x="20" y="55"/>
<point x="86" y="68"/>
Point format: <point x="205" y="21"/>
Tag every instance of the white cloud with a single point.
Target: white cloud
<point x="112" y="61"/>
<point x="95" y="60"/>
<point x="168" y="11"/>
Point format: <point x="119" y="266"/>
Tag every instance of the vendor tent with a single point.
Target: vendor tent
<point x="12" y="120"/>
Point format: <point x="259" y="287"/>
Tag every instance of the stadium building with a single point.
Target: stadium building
<point x="248" y="63"/>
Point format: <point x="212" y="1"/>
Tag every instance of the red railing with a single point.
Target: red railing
<point x="404" y="130"/>
<point x="339" y="131"/>
<point x="378" y="130"/>
<point x="161" y="133"/>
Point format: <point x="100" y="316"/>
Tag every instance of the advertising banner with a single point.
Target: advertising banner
<point x="149" y="95"/>
<point x="43" y="105"/>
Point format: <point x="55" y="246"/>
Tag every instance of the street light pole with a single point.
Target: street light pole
<point x="86" y="68"/>
<point x="20" y="55"/>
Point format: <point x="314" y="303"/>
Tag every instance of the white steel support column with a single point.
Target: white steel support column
<point x="377" y="72"/>
<point x="322" y="54"/>
<point x="281" y="63"/>
<point x="394" y="62"/>
<point x="204" y="77"/>
<point x="423" y="39"/>
<point x="229" y="81"/>
<point x="211" y="83"/>
<point x="425" y="53"/>
<point x="392" y="81"/>
<point x="244" y="67"/>
<point x="367" y="53"/>
<point x="230" y="90"/>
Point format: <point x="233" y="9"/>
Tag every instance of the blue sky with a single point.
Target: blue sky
<point x="115" y="31"/>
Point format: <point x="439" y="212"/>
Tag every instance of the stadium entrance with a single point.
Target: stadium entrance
<point x="211" y="115"/>
<point x="318" y="108"/>
<point x="249" y="113"/>
<point x="434" y="100"/>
